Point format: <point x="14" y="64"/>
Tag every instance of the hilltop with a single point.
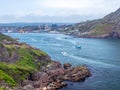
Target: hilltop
<point x="106" y="27"/>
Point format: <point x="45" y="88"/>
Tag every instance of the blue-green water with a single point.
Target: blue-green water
<point x="102" y="56"/>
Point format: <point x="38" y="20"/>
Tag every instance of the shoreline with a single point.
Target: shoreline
<point x="31" y="68"/>
<point x="53" y="76"/>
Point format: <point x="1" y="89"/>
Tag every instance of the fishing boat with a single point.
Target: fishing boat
<point x="78" y="45"/>
<point x="64" y="53"/>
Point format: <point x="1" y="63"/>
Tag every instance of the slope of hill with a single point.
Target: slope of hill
<point x="107" y="27"/>
<point x="18" y="61"/>
<point x="23" y="67"/>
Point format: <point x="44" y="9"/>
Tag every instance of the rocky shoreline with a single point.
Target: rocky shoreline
<point x="54" y="76"/>
<point x="23" y="67"/>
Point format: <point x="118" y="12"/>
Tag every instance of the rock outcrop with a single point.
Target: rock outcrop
<point x="54" y="78"/>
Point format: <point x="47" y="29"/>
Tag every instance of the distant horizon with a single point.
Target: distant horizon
<point x="55" y="22"/>
<point x="56" y="11"/>
<point x="52" y="22"/>
<point x="26" y="22"/>
<point x="34" y="22"/>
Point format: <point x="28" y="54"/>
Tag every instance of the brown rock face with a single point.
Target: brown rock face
<point x="6" y="56"/>
<point x="67" y="65"/>
<point x="55" y="75"/>
<point x="76" y="74"/>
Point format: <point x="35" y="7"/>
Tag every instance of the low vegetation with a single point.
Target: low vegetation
<point x="4" y="37"/>
<point x="101" y="29"/>
<point x="22" y="61"/>
<point x="106" y="27"/>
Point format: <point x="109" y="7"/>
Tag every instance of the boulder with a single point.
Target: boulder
<point x="67" y="65"/>
<point x="54" y="65"/>
<point x="38" y="75"/>
<point x="28" y="87"/>
<point x="76" y="74"/>
<point x="56" y="72"/>
<point x="56" y="85"/>
<point x="26" y="82"/>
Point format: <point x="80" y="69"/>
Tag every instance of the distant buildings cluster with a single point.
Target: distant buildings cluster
<point x="29" y="29"/>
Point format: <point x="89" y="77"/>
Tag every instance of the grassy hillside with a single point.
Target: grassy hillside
<point x="101" y="29"/>
<point x="18" y="61"/>
<point x="107" y="27"/>
<point x="4" y="37"/>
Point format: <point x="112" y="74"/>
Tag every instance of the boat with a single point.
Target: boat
<point x="64" y="53"/>
<point x="66" y="38"/>
<point x="78" y="45"/>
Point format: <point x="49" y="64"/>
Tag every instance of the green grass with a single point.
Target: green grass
<point x="38" y="52"/>
<point x="28" y="62"/>
<point x="14" y="73"/>
<point x="4" y="37"/>
<point x="1" y="88"/>
<point x="26" y="59"/>
<point x="101" y="29"/>
<point x="8" y="79"/>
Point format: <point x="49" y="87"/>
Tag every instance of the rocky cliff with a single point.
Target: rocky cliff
<point x="107" y="27"/>
<point x="23" y="67"/>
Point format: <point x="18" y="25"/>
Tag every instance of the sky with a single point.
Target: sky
<point x="57" y="11"/>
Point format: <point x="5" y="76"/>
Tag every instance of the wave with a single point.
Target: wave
<point x="57" y="45"/>
<point x="89" y="61"/>
<point x="33" y="39"/>
<point x="64" y="53"/>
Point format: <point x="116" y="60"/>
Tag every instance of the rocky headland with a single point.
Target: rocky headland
<point x="23" y="67"/>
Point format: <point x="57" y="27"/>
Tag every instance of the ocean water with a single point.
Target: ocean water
<point x="102" y="56"/>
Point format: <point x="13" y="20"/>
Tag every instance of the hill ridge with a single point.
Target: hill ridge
<point x="106" y="27"/>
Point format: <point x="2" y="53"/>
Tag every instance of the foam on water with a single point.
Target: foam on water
<point x="90" y="61"/>
<point x="33" y="39"/>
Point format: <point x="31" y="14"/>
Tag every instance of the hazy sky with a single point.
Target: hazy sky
<point x="55" y="10"/>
